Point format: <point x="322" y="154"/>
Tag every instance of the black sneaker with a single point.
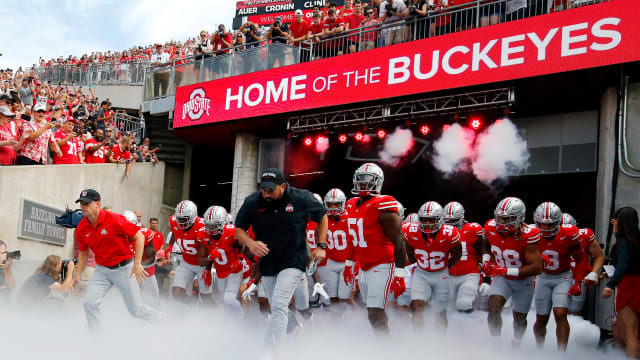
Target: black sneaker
<point x="314" y="304"/>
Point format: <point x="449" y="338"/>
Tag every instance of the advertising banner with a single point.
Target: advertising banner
<point x="581" y="38"/>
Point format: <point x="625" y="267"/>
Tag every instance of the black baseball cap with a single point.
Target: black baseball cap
<point x="271" y="178"/>
<point x="88" y="196"/>
<point x="5" y="97"/>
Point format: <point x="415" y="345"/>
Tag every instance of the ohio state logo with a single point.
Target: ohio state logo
<point x="289" y="208"/>
<point x="197" y="105"/>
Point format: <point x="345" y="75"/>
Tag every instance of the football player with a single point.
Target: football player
<point x="411" y="218"/>
<point x="185" y="225"/>
<point x="559" y="243"/>
<point x="313" y="278"/>
<point x="219" y="248"/>
<point x="464" y="276"/>
<point x="590" y="248"/>
<point x="376" y="233"/>
<point x="149" y="287"/>
<point x="435" y="247"/>
<point x="514" y="263"/>
<point x="331" y="273"/>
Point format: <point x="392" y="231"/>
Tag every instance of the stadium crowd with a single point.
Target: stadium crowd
<point x="43" y="123"/>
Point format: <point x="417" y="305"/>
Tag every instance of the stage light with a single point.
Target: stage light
<point x="322" y="143"/>
<point x="308" y="141"/>
<point x="424" y="129"/>
<point x="358" y="136"/>
<point x="342" y="138"/>
<point x="446" y="127"/>
<point x="475" y="123"/>
<point x="381" y="134"/>
<point x="498" y="122"/>
<point x="366" y="139"/>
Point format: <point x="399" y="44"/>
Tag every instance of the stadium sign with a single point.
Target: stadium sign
<point x="263" y="12"/>
<point x="586" y="37"/>
<point x="38" y="222"/>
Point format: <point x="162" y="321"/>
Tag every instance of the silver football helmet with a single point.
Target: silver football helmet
<point x="568" y="219"/>
<point x="229" y="219"/>
<point x="400" y="210"/>
<point x="509" y="214"/>
<point x="367" y="180"/>
<point x="335" y="196"/>
<point x="548" y="213"/>
<point x="186" y="214"/>
<point x="318" y="197"/>
<point x="215" y="218"/>
<point x="454" y="214"/>
<point x="412" y="218"/>
<point x="431" y="217"/>
<point x="131" y="217"/>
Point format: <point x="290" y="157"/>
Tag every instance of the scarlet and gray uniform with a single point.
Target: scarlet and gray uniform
<point x="465" y="274"/>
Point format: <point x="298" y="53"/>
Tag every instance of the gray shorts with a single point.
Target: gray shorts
<point x="552" y="289"/>
<point x="331" y="275"/>
<point x="431" y="287"/>
<point x="577" y="302"/>
<point x="185" y="274"/>
<point x="301" y="293"/>
<point x="375" y="284"/>
<point x="463" y="290"/>
<point x="230" y="284"/>
<point x="522" y="291"/>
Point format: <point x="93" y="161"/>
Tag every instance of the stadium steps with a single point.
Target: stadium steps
<point x="173" y="148"/>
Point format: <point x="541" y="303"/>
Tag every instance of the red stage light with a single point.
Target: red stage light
<point x="308" y="141"/>
<point x="381" y="134"/>
<point x="498" y="121"/>
<point x="446" y="127"/>
<point x="359" y="136"/>
<point x="366" y="139"/>
<point x="424" y="129"/>
<point x="475" y="124"/>
<point x="342" y="138"/>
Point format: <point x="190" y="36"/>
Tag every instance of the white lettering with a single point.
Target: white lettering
<point x="319" y="89"/>
<point x="277" y="8"/>
<point x="279" y="94"/>
<point x="237" y="98"/>
<point x="614" y="35"/>
<point x="348" y="75"/>
<point x="507" y="50"/>
<point x="542" y="44"/>
<point x="373" y="74"/>
<point x="481" y="55"/>
<point x="331" y="79"/>
<point x="435" y="60"/>
<point x="247" y="95"/>
<point x="295" y="87"/>
<point x="567" y="40"/>
<point x="402" y="69"/>
<point x="446" y="66"/>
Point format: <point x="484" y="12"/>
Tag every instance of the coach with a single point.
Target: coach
<point x="278" y="215"/>
<point x="109" y="235"/>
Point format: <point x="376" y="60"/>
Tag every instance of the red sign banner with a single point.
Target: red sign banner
<point x="581" y="38"/>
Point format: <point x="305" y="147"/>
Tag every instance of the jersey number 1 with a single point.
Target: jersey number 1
<point x="357" y="232"/>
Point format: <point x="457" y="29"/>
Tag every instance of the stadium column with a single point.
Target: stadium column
<point x="245" y="169"/>
<point x="606" y="161"/>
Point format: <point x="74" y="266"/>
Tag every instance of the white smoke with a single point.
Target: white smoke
<point x="500" y="152"/>
<point x="454" y="149"/>
<point x="396" y="146"/>
<point x="322" y="144"/>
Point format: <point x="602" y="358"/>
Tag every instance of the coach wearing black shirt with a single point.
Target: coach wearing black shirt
<point x="278" y="215"/>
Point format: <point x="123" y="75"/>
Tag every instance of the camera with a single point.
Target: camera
<point x="14" y="255"/>
<point x="65" y="262"/>
<point x="70" y="219"/>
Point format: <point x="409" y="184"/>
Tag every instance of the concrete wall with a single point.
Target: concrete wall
<point x="125" y="96"/>
<point x="245" y="168"/>
<point x="57" y="185"/>
<point x="628" y="193"/>
<point x="606" y="161"/>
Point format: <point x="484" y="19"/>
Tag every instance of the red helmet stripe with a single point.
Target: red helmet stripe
<point x="333" y="193"/>
<point x="366" y="168"/>
<point x="181" y="206"/>
<point x="548" y="210"/>
<point x="428" y="207"/>
<point x="506" y="203"/>
<point x="450" y="210"/>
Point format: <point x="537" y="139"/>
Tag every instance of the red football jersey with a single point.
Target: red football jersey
<point x="337" y="241"/>
<point x="149" y="236"/>
<point x="509" y="251"/>
<point x="586" y="237"/>
<point x="469" y="261"/>
<point x="228" y="258"/>
<point x="118" y="154"/>
<point x="98" y="156"/>
<point x="559" y="249"/>
<point x="187" y="240"/>
<point x="432" y="254"/>
<point x="68" y="150"/>
<point x="371" y="245"/>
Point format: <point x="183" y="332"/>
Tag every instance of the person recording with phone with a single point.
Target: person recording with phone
<point x="7" y="281"/>
<point x="52" y="276"/>
<point x="66" y="140"/>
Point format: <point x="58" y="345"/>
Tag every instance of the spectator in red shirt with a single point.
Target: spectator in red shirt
<point x="111" y="237"/>
<point x="370" y="33"/>
<point x="65" y="140"/>
<point x="298" y="33"/>
<point x="97" y="149"/>
<point x="353" y="21"/>
<point x="37" y="136"/>
<point x="8" y="142"/>
<point x="222" y="45"/>
<point x="333" y="25"/>
<point x="315" y="33"/>
<point x="120" y="154"/>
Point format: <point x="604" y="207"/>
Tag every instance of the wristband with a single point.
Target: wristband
<point x="513" y="272"/>
<point x="486" y="258"/>
<point x="399" y="272"/>
<point x="348" y="263"/>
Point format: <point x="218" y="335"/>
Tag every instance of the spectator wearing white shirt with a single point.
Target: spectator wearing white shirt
<point x="393" y="11"/>
<point x="160" y="77"/>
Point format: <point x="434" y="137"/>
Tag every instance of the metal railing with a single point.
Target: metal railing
<point x="106" y="73"/>
<point x="131" y="124"/>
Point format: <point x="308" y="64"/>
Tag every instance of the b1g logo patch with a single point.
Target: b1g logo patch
<point x="289" y="208"/>
<point x="197" y="105"/>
